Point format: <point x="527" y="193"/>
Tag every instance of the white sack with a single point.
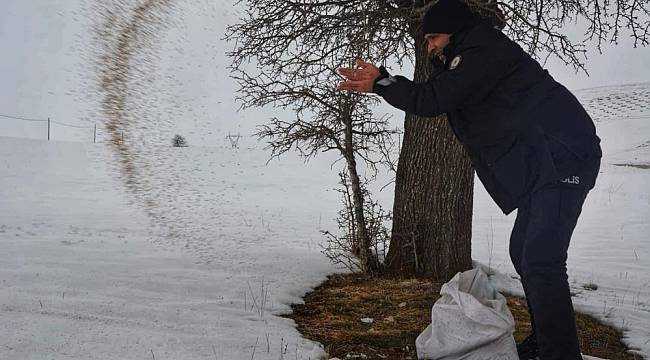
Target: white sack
<point x="471" y="321"/>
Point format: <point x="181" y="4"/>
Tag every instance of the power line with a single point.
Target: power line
<point x="74" y="126"/>
<point x="20" y="118"/>
<point x="45" y="120"/>
<point x="49" y="122"/>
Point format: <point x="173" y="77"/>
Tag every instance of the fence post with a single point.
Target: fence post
<point x="48" y="129"/>
<point x="95" y="135"/>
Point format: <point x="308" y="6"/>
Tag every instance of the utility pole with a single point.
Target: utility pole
<point x="48" y="129"/>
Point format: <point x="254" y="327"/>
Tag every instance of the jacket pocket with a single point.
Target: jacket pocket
<point x="516" y="170"/>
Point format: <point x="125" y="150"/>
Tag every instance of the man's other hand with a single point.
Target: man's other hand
<point x="361" y="79"/>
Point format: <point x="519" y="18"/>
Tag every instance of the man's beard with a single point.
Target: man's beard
<point x="437" y="61"/>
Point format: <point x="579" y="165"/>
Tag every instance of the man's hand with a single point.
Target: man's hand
<point x="361" y="79"/>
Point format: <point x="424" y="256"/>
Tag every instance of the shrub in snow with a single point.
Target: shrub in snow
<point x="347" y="248"/>
<point x="590" y="286"/>
<point x="179" y="141"/>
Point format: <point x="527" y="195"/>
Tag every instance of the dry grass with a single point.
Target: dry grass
<point x="639" y="166"/>
<point x="401" y="309"/>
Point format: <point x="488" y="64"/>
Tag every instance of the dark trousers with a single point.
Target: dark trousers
<point x="538" y="249"/>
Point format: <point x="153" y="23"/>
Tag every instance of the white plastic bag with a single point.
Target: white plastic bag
<point x="470" y="321"/>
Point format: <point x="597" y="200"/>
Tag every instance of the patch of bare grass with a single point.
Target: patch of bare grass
<point x="401" y="309"/>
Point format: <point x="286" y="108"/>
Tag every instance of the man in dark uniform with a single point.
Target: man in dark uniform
<point x="531" y="143"/>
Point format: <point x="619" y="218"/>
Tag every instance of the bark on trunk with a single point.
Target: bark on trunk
<point x="432" y="212"/>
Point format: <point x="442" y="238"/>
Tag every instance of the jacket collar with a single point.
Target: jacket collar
<point x="458" y="40"/>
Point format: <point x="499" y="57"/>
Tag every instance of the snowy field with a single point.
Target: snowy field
<point x="84" y="274"/>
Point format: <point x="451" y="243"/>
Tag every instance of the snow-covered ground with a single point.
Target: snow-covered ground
<point x="83" y="274"/>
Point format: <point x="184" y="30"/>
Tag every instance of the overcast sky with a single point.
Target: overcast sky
<point x="45" y="47"/>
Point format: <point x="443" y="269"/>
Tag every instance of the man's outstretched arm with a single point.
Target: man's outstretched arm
<point x="416" y="98"/>
<point x="474" y="72"/>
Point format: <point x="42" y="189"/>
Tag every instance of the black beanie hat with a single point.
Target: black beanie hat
<point x="446" y="17"/>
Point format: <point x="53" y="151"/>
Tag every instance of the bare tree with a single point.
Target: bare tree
<point x="343" y="123"/>
<point x="300" y="73"/>
<point x="286" y="53"/>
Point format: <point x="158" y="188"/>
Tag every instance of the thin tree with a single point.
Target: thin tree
<point x="299" y="72"/>
<point x="341" y="248"/>
<point x="294" y="46"/>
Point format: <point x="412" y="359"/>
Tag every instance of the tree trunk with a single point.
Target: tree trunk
<point x="432" y="212"/>
<point x="362" y="249"/>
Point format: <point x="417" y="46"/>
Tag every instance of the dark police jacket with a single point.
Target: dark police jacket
<point x="521" y="128"/>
